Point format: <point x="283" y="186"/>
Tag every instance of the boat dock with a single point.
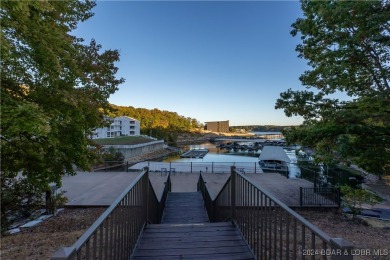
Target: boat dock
<point x="195" y="153"/>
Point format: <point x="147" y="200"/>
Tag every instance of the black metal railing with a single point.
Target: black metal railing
<point x="177" y="167"/>
<point x="204" y="167"/>
<point x="314" y="197"/>
<point x="272" y="229"/>
<point x="112" y="166"/>
<point x="167" y="189"/>
<point x="208" y="202"/>
<point x="115" y="233"/>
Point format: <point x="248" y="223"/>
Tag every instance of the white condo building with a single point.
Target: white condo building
<point x="120" y="126"/>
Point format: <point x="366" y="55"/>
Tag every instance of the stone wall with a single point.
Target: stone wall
<point x="130" y="151"/>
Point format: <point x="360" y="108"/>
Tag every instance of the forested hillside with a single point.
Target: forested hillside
<point x="158" y="123"/>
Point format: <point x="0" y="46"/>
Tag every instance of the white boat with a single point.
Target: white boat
<point x="274" y="159"/>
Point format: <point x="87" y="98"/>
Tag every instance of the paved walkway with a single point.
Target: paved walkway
<point x="95" y="188"/>
<point x="102" y="188"/>
<point x="286" y="190"/>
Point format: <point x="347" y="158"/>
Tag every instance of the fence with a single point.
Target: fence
<point x="115" y="233"/>
<point x="197" y="167"/>
<point x="320" y="197"/>
<point x="325" y="176"/>
<point x="113" y="166"/>
<point x="272" y="229"/>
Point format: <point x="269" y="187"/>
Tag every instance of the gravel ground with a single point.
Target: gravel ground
<point x="364" y="233"/>
<point x="39" y="242"/>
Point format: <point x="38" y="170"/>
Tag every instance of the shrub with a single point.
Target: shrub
<point x="355" y="198"/>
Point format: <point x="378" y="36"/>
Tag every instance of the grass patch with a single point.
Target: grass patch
<point x="123" y="140"/>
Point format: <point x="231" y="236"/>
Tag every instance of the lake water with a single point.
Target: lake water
<point x="221" y="155"/>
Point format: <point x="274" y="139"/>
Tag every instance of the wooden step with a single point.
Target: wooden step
<point x="192" y="241"/>
<point x="184" y="208"/>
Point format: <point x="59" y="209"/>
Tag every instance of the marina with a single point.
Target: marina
<point x="232" y="153"/>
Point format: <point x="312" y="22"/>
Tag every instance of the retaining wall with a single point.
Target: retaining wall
<point x="129" y="151"/>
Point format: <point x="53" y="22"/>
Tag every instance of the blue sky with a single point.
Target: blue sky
<point x="209" y="60"/>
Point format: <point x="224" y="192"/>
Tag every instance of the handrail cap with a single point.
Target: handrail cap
<point x="341" y="243"/>
<point x="63" y="253"/>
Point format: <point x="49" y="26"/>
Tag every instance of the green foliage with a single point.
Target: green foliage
<point x="54" y="90"/>
<point x="347" y="45"/>
<point x="159" y="124"/>
<point x="355" y="198"/>
<point x="112" y="156"/>
<point x="18" y="199"/>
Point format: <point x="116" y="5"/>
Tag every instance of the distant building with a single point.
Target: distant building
<point x="120" y="126"/>
<point x="218" y="126"/>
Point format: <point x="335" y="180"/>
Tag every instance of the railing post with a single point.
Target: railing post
<point x="169" y="184"/>
<point x="338" y="194"/>
<point x="191" y="167"/>
<point x="64" y="253"/>
<point x="127" y="166"/>
<point x="233" y="194"/>
<point x="146" y="192"/>
<point x="300" y="195"/>
<point x="342" y="249"/>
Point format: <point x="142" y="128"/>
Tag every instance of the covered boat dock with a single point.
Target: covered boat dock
<point x="274" y="158"/>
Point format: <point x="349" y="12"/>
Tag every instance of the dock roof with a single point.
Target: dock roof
<point x="273" y="153"/>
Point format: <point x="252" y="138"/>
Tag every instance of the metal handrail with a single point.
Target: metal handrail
<point x="271" y="228"/>
<point x="153" y="213"/>
<point x="167" y="189"/>
<point x="208" y="202"/>
<point x="115" y="233"/>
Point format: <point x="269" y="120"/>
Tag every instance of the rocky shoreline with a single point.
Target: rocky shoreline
<point x="153" y="156"/>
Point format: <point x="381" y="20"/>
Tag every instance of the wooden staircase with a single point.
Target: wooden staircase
<point x="186" y="233"/>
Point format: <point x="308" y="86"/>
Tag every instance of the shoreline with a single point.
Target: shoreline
<point x="156" y="155"/>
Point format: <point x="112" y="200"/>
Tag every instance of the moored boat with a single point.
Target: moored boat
<point x="273" y="159"/>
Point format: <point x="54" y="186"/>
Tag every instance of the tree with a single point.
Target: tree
<point x="54" y="90"/>
<point x="347" y="46"/>
<point x="355" y="198"/>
